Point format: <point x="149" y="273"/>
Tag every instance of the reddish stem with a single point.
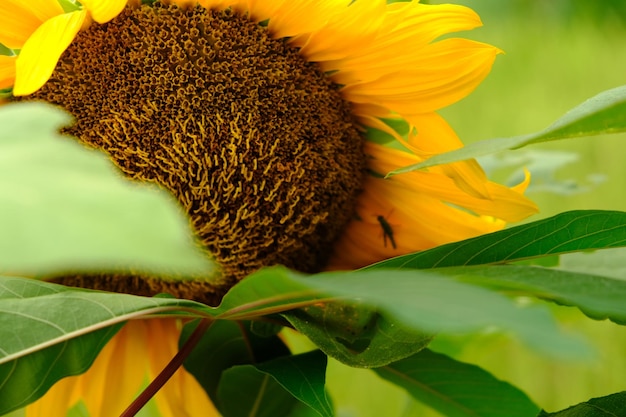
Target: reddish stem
<point x="169" y="370"/>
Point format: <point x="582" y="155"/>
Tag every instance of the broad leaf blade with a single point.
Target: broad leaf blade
<point x="603" y="113"/>
<point x="246" y="391"/>
<point x="566" y="232"/>
<point x="304" y="376"/>
<point x="596" y="296"/>
<point x="65" y="208"/>
<point x="35" y="314"/>
<point x="457" y="389"/>
<point x="425" y="301"/>
<point x="267" y="291"/>
<point x="224" y="345"/>
<point x="63" y="328"/>
<point x="356" y="334"/>
<point x="28" y="378"/>
<point x="432" y="302"/>
<point x="610" y="406"/>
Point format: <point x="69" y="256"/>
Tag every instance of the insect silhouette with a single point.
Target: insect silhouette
<point x="387" y="231"/>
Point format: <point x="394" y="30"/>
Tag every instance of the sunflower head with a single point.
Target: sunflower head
<point x="254" y="115"/>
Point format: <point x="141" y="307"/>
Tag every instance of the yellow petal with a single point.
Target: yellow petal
<point x="433" y="135"/>
<point x="104" y="10"/>
<point x="441" y="74"/>
<point x="502" y="202"/>
<point x="19" y="19"/>
<point x="41" y="52"/>
<point x="417" y="221"/>
<point x="116" y="376"/>
<point x="374" y="32"/>
<point x="7" y="71"/>
<point x="292" y="18"/>
<point x="344" y="31"/>
<point x="56" y="401"/>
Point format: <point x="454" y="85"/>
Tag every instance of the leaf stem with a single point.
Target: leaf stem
<point x="169" y="370"/>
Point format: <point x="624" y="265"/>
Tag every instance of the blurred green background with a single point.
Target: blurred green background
<point x="558" y="53"/>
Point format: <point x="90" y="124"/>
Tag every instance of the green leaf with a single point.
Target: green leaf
<point x="61" y="327"/>
<point x="303" y="410"/>
<point x="224" y="345"/>
<point x="246" y="391"/>
<point x="610" y="406"/>
<point x="432" y="302"/>
<point x="304" y="376"/>
<point x="65" y="208"/>
<point x="603" y="113"/>
<point x="267" y="291"/>
<point x="356" y="334"/>
<point x="457" y="389"/>
<point x="607" y="263"/>
<point x="566" y="232"/>
<point x="596" y="296"/>
<point x="27" y="378"/>
<point x="425" y="301"/>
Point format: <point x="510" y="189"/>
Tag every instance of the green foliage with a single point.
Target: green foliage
<point x="457" y="389"/>
<point x="224" y="345"/>
<point x="609" y="406"/>
<point x="245" y="391"/>
<point x="43" y="323"/>
<point x="27" y="377"/>
<point x="356" y="334"/>
<point x="304" y="376"/>
<point x="597" y="297"/>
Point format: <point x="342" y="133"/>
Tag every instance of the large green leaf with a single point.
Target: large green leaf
<point x="566" y="232"/>
<point x="356" y="334"/>
<point x="65" y="208"/>
<point x="304" y="376"/>
<point x="457" y="389"/>
<point x="596" y="296"/>
<point x="427" y="301"/>
<point x="244" y="391"/>
<point x="25" y="379"/>
<point x="267" y="291"/>
<point x="224" y="345"/>
<point x="603" y="113"/>
<point x="49" y="331"/>
<point x="610" y="406"/>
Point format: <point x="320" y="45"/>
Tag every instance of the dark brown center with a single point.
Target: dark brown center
<point x="255" y="142"/>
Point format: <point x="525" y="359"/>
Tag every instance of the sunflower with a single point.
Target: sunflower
<point x="260" y="117"/>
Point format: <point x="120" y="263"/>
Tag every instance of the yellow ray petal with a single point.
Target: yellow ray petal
<point x="104" y="10"/>
<point x="346" y="32"/>
<point x="56" y="401"/>
<point x="433" y="135"/>
<point x="443" y="73"/>
<point x="41" y="52"/>
<point x="118" y="373"/>
<point x="7" y="71"/>
<point x="19" y="19"/>
<point x="413" y="24"/>
<point x="292" y="18"/>
<point x="409" y="28"/>
<point x="502" y="202"/>
<point x="417" y="221"/>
